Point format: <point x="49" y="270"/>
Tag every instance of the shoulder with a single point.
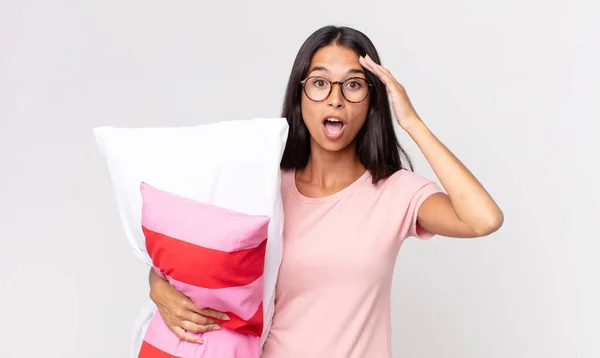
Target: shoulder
<point x="287" y="175"/>
<point x="405" y="179"/>
<point x="407" y="184"/>
<point x="287" y="179"/>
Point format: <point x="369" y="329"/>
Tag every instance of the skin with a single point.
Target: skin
<point x="466" y="211"/>
<point x="333" y="164"/>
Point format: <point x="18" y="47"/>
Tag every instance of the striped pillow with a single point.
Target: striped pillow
<point x="216" y="257"/>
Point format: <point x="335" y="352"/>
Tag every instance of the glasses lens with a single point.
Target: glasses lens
<point x="354" y="89"/>
<point x="317" y="88"/>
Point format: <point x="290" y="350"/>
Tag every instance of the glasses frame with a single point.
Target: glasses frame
<point x="332" y="83"/>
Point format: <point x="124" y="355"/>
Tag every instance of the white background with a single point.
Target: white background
<point x="511" y="87"/>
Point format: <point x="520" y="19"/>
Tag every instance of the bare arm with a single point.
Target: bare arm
<point x="467" y="210"/>
<point x="179" y="312"/>
<point x="154" y="279"/>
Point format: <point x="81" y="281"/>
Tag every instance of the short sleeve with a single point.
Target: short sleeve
<point x="412" y="190"/>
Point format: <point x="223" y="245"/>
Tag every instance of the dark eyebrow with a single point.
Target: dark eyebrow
<point x="321" y="68"/>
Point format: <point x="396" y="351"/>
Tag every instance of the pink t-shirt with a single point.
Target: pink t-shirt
<point x="333" y="292"/>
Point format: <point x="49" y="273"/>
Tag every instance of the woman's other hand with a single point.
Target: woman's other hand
<point x="180" y="313"/>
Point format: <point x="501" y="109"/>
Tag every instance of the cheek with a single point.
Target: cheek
<point x="309" y="113"/>
<point x="361" y="113"/>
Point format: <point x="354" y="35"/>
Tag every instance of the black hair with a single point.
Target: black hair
<point x="377" y="146"/>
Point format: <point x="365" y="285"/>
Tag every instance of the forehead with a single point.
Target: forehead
<point x="336" y="59"/>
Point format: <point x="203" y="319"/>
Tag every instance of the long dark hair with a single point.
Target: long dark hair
<point x="377" y="146"/>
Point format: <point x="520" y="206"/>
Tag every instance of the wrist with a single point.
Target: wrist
<point x="156" y="285"/>
<point x="416" y="128"/>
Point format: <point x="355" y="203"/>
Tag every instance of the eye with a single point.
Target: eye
<point x="354" y="84"/>
<point x="319" y="82"/>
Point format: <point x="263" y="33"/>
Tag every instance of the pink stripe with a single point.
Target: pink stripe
<point x="241" y="300"/>
<point x="222" y="343"/>
<point x="201" y="224"/>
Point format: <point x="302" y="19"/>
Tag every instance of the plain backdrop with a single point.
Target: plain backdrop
<point x="511" y="87"/>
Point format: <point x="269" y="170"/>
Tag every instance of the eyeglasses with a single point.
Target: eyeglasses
<point x="354" y="90"/>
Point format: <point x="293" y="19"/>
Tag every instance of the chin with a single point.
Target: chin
<point x="333" y="146"/>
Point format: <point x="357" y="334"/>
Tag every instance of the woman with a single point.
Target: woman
<point x="350" y="199"/>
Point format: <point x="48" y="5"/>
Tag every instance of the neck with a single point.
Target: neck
<point x="327" y="169"/>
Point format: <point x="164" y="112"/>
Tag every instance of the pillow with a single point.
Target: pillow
<point x="214" y="256"/>
<point x="231" y="164"/>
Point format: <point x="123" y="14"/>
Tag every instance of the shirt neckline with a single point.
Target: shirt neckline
<point x="366" y="175"/>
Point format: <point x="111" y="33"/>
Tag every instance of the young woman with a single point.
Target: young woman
<point x="350" y="199"/>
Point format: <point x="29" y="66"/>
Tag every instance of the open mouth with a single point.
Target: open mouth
<point x="333" y="127"/>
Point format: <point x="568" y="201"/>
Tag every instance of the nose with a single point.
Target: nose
<point x="336" y="98"/>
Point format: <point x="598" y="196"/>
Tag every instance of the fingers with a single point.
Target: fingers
<point x="366" y="64"/>
<point x="377" y="67"/>
<point x="189" y="331"/>
<point x="198" y="328"/>
<point x="187" y="310"/>
<point x="383" y="73"/>
<point x="386" y="71"/>
<point x="181" y="314"/>
<point x="186" y="319"/>
<point x="371" y="66"/>
<point x="187" y="336"/>
<point x="206" y="311"/>
<point x="197" y="322"/>
<point x="216" y="314"/>
<point x="196" y="318"/>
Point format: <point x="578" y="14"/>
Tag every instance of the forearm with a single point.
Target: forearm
<point x="471" y="201"/>
<point x="154" y="279"/>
